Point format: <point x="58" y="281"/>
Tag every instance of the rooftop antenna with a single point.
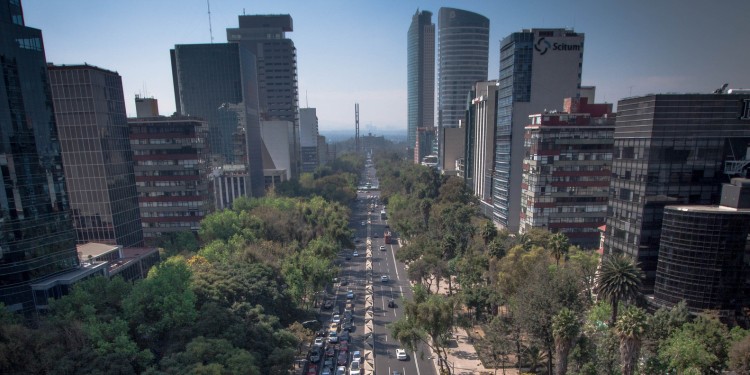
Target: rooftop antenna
<point x="210" y="29"/>
<point x="307" y="104"/>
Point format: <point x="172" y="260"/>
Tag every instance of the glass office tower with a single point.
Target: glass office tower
<point x="463" y="53"/>
<point x="420" y="41"/>
<point x="36" y="232"/>
<point x="669" y="149"/>
<point x="98" y="162"/>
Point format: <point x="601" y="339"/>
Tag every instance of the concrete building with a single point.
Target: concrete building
<point x="97" y="158"/>
<point x="566" y="171"/>
<point x="420" y="71"/>
<point x="146" y="107"/>
<point x="229" y="183"/>
<point x="265" y="37"/>
<point x="218" y="83"/>
<point x="308" y="131"/>
<point x="171" y="173"/>
<point x="537" y="68"/>
<point x="454" y="140"/>
<point x="278" y="151"/>
<point x="322" y="150"/>
<point x="37" y="239"/>
<point x="702" y="253"/>
<point x="463" y="55"/>
<point x="481" y="154"/>
<point x="424" y="144"/>
<point x="670" y="149"/>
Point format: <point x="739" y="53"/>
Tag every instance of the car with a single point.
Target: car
<point x="341" y="370"/>
<point x="363" y="223"/>
<point x="344" y="282"/>
<point x="396" y="372"/>
<point x="343" y="346"/>
<point x="355" y="254"/>
<point x="312" y="370"/>
<point x="326" y="371"/>
<point x="384" y="279"/>
<point x="382" y="247"/>
<point x="375" y="235"/>
<point x="342" y="359"/>
<point x="330" y="352"/>
<point x="318" y="341"/>
<point x="333" y="327"/>
<point x="347" y="326"/>
<point x="391" y="303"/>
<point x="401" y="355"/>
<point x="328" y="304"/>
<point x="348" y="257"/>
<point x="354" y="368"/>
<point x="350" y="294"/>
<point x="336" y="318"/>
<point x="356" y="356"/>
<point x="315" y="355"/>
<point x="333" y="337"/>
<point x="344" y="336"/>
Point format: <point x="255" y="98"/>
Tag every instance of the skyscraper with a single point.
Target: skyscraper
<point x="97" y="159"/>
<point x="463" y="53"/>
<point x="669" y="149"/>
<point x="420" y="40"/>
<point x="538" y="67"/>
<point x="37" y="239"/>
<point x="217" y="82"/>
<point x="479" y="157"/>
<point x="265" y="37"/>
<point x="308" y="126"/>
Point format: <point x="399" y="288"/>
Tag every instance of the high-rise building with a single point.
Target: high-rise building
<point x="308" y="131"/>
<point x="265" y="37"/>
<point x="669" y="149"/>
<point x="702" y="253"/>
<point x="37" y="240"/>
<point x="217" y="82"/>
<point x="277" y="150"/>
<point x="424" y="143"/>
<point x="97" y="158"/>
<point x="481" y="154"/>
<point x="463" y="56"/>
<point x="420" y="40"/>
<point x="171" y="173"/>
<point x="537" y="68"/>
<point x="566" y="171"/>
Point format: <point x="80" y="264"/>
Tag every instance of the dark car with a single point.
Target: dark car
<point x="344" y="282"/>
<point x="330" y="351"/>
<point x="342" y="359"/>
<point x="328" y="304"/>
<point x="391" y="303"/>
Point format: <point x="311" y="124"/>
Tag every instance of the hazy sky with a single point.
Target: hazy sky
<point x="355" y="51"/>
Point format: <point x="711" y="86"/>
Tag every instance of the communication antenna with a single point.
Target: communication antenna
<point x="210" y="29"/>
<point x="356" y="126"/>
<point x="307" y="103"/>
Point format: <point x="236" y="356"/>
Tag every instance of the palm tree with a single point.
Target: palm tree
<point x="630" y="328"/>
<point x="558" y="243"/>
<point x="565" y="329"/>
<point x="619" y="280"/>
<point x="534" y="357"/>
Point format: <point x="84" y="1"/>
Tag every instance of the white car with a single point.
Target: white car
<point x="333" y="337"/>
<point x="341" y="370"/>
<point x="355" y="254"/>
<point x="362" y="223"/>
<point x="356" y="356"/>
<point x="382" y="248"/>
<point x="336" y="319"/>
<point x="401" y="355"/>
<point x="319" y="341"/>
<point x="384" y="279"/>
<point x="354" y="368"/>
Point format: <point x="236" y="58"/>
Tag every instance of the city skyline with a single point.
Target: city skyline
<point x="349" y="54"/>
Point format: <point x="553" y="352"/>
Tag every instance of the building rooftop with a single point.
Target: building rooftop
<point x="94" y="250"/>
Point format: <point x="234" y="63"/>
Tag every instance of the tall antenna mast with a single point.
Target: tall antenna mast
<point x="356" y="127"/>
<point x="210" y="29"/>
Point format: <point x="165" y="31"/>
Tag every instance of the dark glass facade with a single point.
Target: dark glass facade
<point x="98" y="162"/>
<point x="669" y="149"/>
<point x="171" y="173"/>
<point x="701" y="257"/>
<point x="278" y="98"/>
<point x="463" y="55"/>
<point x="218" y="83"/>
<point x="37" y="239"/>
<point x="420" y="41"/>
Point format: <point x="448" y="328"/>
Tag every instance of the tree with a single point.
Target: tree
<point x="619" y="280"/>
<point x="488" y="232"/>
<point x="739" y="356"/>
<point x="498" y="341"/>
<point x="565" y="330"/>
<point x="558" y="245"/>
<point x="630" y="328"/>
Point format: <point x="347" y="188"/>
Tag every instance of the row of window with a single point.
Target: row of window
<point x="189" y="204"/>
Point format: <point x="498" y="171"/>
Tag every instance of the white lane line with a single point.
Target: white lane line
<point x="395" y="265"/>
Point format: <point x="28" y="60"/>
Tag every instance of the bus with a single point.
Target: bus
<point x="387" y="237"/>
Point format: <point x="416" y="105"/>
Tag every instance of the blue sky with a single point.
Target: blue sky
<point x="355" y="51"/>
